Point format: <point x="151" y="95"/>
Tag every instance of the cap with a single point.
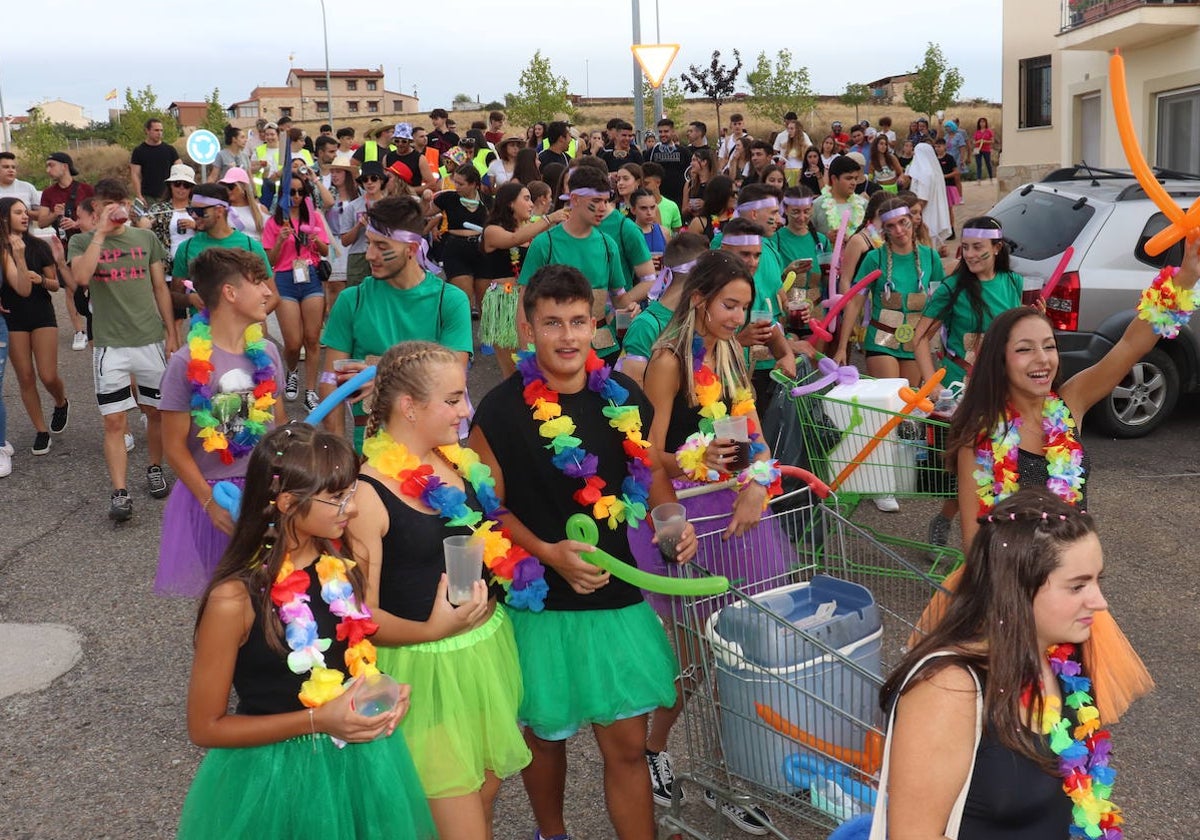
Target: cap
<point x="372" y="167"/>
<point x="951" y="125"/>
<point x="457" y="155"/>
<point x="403" y="131"/>
<point x="401" y="170"/>
<point x="838" y="123"/>
<point x="235" y="175"/>
<point x="63" y="157"/>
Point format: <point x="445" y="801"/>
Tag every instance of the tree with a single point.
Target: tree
<point x="139" y="107"/>
<point x="36" y="140"/>
<point x="540" y="96"/>
<point x="855" y="95"/>
<point x="777" y="89"/>
<point x="714" y="82"/>
<point x="673" y="99"/>
<point x="215" y="117"/>
<point x="934" y="85"/>
<point x="463" y="102"/>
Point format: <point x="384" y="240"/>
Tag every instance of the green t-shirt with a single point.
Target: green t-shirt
<point x="644" y="330"/>
<point x="198" y="244"/>
<point x="631" y="243"/>
<point x="125" y="312"/>
<point x="369" y="318"/>
<point x="768" y="280"/>
<point x="668" y="212"/>
<point x="964" y="328"/>
<point x="793" y="246"/>
<point x="898" y="297"/>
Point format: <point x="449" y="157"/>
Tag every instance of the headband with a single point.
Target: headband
<point x="666" y="276"/>
<point x="584" y="192"/>
<point x="406" y="237"/>
<point x="894" y="214"/>
<point x="234" y="220"/>
<point x="761" y="204"/>
<point x="798" y="202"/>
<point x="743" y="239"/>
<point x="982" y="233"/>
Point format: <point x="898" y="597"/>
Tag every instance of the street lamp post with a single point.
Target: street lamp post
<point x="658" y="92"/>
<point x="328" y="80"/>
<point x="639" y="119"/>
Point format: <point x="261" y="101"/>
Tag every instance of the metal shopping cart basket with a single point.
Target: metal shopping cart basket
<point x="782" y="675"/>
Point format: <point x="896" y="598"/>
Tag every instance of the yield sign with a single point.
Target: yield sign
<point x="655" y="60"/>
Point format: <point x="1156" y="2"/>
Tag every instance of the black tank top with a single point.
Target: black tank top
<point x="1033" y="472"/>
<point x="685" y="421"/>
<point x="497" y="265"/>
<point x="264" y="683"/>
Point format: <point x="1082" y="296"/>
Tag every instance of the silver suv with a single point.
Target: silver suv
<point x="1106" y="215"/>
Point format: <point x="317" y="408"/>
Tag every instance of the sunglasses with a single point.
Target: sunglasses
<point x="183" y="184"/>
<point x="370" y="178"/>
<point x="198" y="212"/>
<point x="297" y="192"/>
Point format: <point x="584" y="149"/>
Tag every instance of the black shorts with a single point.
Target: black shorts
<point x="32" y="316"/>
<point x="83" y="305"/>
<point x="460" y="255"/>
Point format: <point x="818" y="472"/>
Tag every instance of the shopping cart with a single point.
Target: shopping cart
<point x="782" y="676"/>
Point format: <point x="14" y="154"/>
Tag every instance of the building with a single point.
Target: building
<point x="60" y="111"/>
<point x="1057" y="107"/>
<point x="188" y="115"/>
<point x="357" y="95"/>
<point x="890" y="89"/>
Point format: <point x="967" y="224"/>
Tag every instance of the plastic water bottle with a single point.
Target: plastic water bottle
<point x="945" y="406"/>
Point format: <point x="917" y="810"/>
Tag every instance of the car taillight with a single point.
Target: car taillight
<point x="1062" y="307"/>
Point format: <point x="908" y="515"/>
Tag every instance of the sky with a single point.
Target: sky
<point x="234" y="45"/>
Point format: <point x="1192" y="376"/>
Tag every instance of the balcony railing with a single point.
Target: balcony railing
<point x="1077" y="13"/>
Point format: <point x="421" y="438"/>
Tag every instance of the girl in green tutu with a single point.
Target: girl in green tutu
<point x="280" y="621"/>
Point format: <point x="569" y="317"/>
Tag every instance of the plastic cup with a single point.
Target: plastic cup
<point x="622" y="321"/>
<point x="377" y="695"/>
<point x="670" y="521"/>
<point x="735" y="429"/>
<point x="343" y="364"/>
<point x="464" y="566"/>
<point x="757" y="316"/>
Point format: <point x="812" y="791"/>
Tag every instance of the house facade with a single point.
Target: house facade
<point x="61" y="111"/>
<point x="357" y="94"/>
<point x="188" y="115"/>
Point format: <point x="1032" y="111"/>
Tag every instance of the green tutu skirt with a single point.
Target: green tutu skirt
<point x="307" y="789"/>
<point x="462" y="717"/>
<point x="498" y="314"/>
<point x="592" y="666"/>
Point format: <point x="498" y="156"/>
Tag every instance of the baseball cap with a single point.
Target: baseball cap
<point x="235" y="175"/>
<point x="403" y="131"/>
<point x="63" y="157"/>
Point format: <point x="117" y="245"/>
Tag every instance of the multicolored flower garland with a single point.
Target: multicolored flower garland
<point x="1083" y="754"/>
<point x="996" y="456"/>
<point x="522" y="576"/>
<point x="576" y="462"/>
<point x="199" y="374"/>
<point x="289" y="593"/>
<point x="833" y="214"/>
<point x="1164" y="306"/>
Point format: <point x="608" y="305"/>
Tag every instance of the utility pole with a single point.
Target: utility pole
<point x="639" y="118"/>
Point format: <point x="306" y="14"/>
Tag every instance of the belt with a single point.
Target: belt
<point x="960" y="361"/>
<point x="884" y="328"/>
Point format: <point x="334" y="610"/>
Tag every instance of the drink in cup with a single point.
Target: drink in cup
<point x="623" y="320"/>
<point x="670" y="521"/>
<point x="376" y="696"/>
<point x="797" y="308"/>
<point x="736" y="430"/>
<point x="464" y="566"/>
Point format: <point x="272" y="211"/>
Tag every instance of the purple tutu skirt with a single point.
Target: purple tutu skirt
<point x="191" y="546"/>
<point x="754" y="562"/>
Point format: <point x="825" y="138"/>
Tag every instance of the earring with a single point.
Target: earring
<point x="412" y="418"/>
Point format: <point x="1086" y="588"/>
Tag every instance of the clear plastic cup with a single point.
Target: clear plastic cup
<point x="757" y="316"/>
<point x="670" y="521"/>
<point x="735" y="429"/>
<point x="377" y="695"/>
<point x="464" y="566"/>
<point x="344" y="364"/>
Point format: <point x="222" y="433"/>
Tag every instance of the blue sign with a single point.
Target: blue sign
<point x="202" y="146"/>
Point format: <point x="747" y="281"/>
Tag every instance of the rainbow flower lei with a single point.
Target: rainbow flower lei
<point x="1164" y="306"/>
<point x="289" y="593"/>
<point x="576" y="462"/>
<point x="1083" y="753"/>
<point x="205" y="412"/>
<point x="996" y="456"/>
<point x="522" y="576"/>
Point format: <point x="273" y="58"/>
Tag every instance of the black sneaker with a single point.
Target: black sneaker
<point x="662" y="776"/>
<point x="156" y="481"/>
<point x="58" y="420"/>
<point x="41" y="443"/>
<point x="752" y="820"/>
<point x="291" y="389"/>
<point x="311" y="400"/>
<point x="939" y="530"/>
<point x="120" y="506"/>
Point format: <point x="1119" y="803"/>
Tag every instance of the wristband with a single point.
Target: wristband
<point x="691" y="458"/>
<point x="1165" y="306"/>
<point x="765" y="473"/>
<point x="328" y="377"/>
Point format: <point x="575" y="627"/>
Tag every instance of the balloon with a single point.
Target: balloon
<point x="835" y="263"/>
<point x="229" y="496"/>
<point x="1057" y="274"/>
<point x="788" y="281"/>
<point x="583" y="528"/>
<point x="837" y="303"/>
<point x="802" y="770"/>
<point x="340" y="393"/>
<point x="869" y="759"/>
<point x="830" y="373"/>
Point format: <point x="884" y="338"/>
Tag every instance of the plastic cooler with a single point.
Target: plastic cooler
<point x="859" y="411"/>
<point x="770" y="658"/>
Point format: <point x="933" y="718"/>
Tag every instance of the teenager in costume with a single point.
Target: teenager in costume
<point x="284" y="623"/>
<point x="1030" y="599"/>
<point x="418" y="487"/>
<point x="220" y="395"/>
<point x="596" y="655"/>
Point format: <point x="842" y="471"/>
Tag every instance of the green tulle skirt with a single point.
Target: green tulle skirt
<point x="307" y="789"/>
<point x="592" y="666"/>
<point x="462" y="717"/>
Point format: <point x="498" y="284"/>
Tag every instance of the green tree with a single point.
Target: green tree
<point x="778" y="88"/>
<point x="463" y="102"/>
<point x="140" y="106"/>
<point x="673" y="99"/>
<point x="215" y="117"/>
<point x="714" y="82"/>
<point x="36" y="140"/>
<point x="855" y="95"/>
<point x="935" y="84"/>
<point x="540" y="94"/>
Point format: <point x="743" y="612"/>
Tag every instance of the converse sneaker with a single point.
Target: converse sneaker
<point x="311" y="400"/>
<point x="939" y="529"/>
<point x="79" y="342"/>
<point x="156" y="481"/>
<point x="752" y="819"/>
<point x="292" y="389"/>
<point x="120" y="506"/>
<point x="41" y="443"/>
<point x="662" y="776"/>
<point x="58" y="420"/>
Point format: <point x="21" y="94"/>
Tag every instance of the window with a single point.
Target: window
<point x="285" y="112"/>
<point x="397" y="106"/>
<point x="322" y="106"/>
<point x="1035" y="92"/>
<point x="373" y="107"/>
<point x="1179" y="130"/>
<point x="352" y="84"/>
<point x="372" y="85"/>
<point x="352" y="105"/>
<point x="1154" y="225"/>
<point x="248" y="110"/>
<point x="321" y="85"/>
<point x="1041" y="224"/>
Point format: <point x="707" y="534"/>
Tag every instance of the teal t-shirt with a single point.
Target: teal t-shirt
<point x="794" y="246"/>
<point x="198" y="244"/>
<point x="668" y="213"/>
<point x="644" y="330"/>
<point x="631" y="243"/>
<point x="768" y="280"/>
<point x="898" y="297"/>
<point x="964" y="328"/>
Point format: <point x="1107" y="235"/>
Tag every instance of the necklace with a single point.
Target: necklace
<point x="290" y="595"/>
<point x="1083" y="753"/>
<point x="518" y="571"/>
<point x="996" y="456"/>
<point x="212" y="415"/>
<point x="833" y="213"/>
<point x="576" y="462"/>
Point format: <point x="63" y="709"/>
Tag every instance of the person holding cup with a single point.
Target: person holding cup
<point x="426" y="515"/>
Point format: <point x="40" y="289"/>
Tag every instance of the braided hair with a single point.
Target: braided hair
<point x="404" y="370"/>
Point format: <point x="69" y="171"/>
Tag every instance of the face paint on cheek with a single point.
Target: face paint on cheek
<point x="593" y="206"/>
<point x="390" y="255"/>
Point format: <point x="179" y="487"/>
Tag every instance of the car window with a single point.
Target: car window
<point x="1040" y="225"/>
<point x="1171" y="256"/>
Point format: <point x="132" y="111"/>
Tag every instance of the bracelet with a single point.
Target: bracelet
<point x="312" y="723"/>
<point x="1164" y="305"/>
<point x="327" y="377"/>
<point x="765" y="473"/>
<point x="691" y="457"/>
<point x="207" y="502"/>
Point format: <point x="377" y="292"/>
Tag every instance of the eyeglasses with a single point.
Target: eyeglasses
<point x="341" y="504"/>
<point x="198" y="212"/>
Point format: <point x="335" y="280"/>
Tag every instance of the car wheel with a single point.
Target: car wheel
<point x="1143" y="400"/>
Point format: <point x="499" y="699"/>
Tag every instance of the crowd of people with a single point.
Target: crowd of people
<point x="631" y="294"/>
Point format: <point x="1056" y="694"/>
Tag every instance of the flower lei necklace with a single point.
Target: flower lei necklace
<point x="210" y="415"/>
<point x="576" y="462"/>
<point x="522" y="576"/>
<point x="996" y="456"/>
<point x="1083" y="753"/>
<point x="289" y="593"/>
<point x="833" y="214"/>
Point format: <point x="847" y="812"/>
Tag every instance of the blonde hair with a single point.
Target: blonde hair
<point x="404" y="370"/>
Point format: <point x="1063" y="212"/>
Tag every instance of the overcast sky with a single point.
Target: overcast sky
<point x="470" y="46"/>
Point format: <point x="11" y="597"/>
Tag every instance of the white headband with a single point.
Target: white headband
<point x="743" y="239"/>
<point x="982" y="233"/>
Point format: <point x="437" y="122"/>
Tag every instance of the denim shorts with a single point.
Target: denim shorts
<point x="289" y="289"/>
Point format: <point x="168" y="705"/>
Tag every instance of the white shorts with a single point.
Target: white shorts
<point x="113" y="367"/>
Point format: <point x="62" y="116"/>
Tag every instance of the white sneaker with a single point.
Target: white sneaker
<point x="7" y="449"/>
<point x="79" y="342"/>
<point x="887" y="504"/>
<point x="129" y="442"/>
<point x="5" y="462"/>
